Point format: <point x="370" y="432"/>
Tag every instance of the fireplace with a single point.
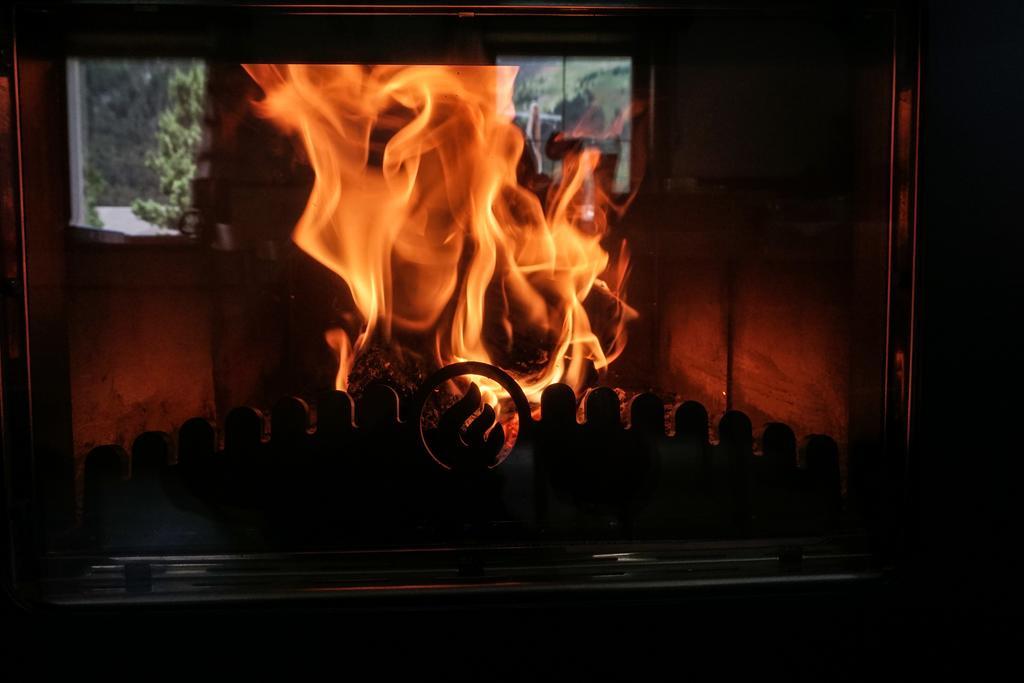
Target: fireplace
<point x="502" y="297"/>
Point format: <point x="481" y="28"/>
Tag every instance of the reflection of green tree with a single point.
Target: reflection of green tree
<point x="541" y="84"/>
<point x="122" y="100"/>
<point x="95" y="186"/>
<point x="605" y="89"/>
<point x="601" y="87"/>
<point x="177" y="141"/>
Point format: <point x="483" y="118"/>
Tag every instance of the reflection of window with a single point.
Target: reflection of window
<point x="587" y="97"/>
<point x="134" y="130"/>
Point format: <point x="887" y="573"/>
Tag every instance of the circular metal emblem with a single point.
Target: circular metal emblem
<point x="449" y="372"/>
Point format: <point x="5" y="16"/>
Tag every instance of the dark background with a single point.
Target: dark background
<point x="954" y="608"/>
<point x="968" y="450"/>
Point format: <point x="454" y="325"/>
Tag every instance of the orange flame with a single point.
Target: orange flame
<point x="416" y="205"/>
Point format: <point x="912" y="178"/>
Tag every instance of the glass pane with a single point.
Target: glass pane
<point x="259" y="390"/>
<point x="538" y="97"/>
<point x="139" y="132"/>
<point x="621" y="181"/>
<point x="598" y="92"/>
<point x="582" y="97"/>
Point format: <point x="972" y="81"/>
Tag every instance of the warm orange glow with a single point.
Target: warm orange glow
<point x="417" y="207"/>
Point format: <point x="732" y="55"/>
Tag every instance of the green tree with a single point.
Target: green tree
<point x="173" y="158"/>
<point x="122" y="101"/>
<point x="95" y="186"/>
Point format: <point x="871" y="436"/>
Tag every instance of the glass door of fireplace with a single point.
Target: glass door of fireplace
<point x="531" y="287"/>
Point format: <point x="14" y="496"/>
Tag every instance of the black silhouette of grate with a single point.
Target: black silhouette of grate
<point x="365" y="477"/>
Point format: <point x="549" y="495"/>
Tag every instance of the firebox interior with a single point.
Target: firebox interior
<point x="187" y="391"/>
